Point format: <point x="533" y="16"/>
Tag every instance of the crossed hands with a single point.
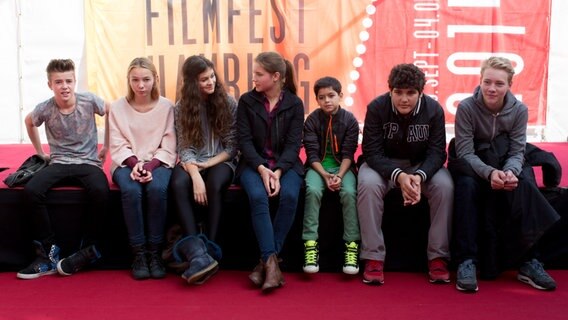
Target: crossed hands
<point x="140" y="174"/>
<point x="503" y="180"/>
<point x="410" y="186"/>
<point x="332" y="181"/>
<point x="270" y="179"/>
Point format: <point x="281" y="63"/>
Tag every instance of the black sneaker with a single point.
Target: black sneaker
<point x="43" y="265"/>
<point x="466" y="277"/>
<point x="156" y="266"/>
<point x="532" y="272"/>
<point x="78" y="260"/>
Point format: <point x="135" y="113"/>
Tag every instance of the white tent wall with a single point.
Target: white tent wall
<point x="557" y="117"/>
<point x="35" y="31"/>
<point x="38" y="31"/>
<point x="9" y="81"/>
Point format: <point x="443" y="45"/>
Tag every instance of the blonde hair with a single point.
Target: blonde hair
<point x="145" y="63"/>
<point x="499" y="63"/>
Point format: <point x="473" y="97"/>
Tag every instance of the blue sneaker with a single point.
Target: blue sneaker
<point x="44" y="264"/>
<point x="532" y="272"/>
<point x="466" y="277"/>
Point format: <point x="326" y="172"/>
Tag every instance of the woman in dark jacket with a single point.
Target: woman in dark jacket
<point x="269" y="124"/>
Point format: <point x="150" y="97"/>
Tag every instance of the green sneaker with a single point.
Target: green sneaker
<point x="311" y="256"/>
<point x="351" y="264"/>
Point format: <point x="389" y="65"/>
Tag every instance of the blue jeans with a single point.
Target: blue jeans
<point x="134" y="195"/>
<point x="271" y="235"/>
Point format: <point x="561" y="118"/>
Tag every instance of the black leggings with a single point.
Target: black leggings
<point x="217" y="179"/>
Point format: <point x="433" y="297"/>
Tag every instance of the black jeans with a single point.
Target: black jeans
<point x="514" y="220"/>
<point x="91" y="178"/>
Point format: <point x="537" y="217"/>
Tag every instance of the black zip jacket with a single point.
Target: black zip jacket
<point x="345" y="132"/>
<point x="286" y="131"/>
<point x="419" y="137"/>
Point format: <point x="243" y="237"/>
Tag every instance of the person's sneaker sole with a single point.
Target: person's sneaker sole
<point x="441" y="281"/>
<point x="373" y="282"/>
<point x="527" y="280"/>
<point x="350" y="270"/>
<point x="462" y="289"/>
<point x="311" y="269"/>
<point x="35" y="275"/>
<point x="60" y="269"/>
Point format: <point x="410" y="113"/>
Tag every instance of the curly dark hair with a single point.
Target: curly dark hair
<point x="218" y="110"/>
<point x="406" y="76"/>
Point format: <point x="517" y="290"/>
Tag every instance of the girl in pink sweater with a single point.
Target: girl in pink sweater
<point x="143" y="152"/>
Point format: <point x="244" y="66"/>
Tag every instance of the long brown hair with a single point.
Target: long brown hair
<point x="218" y="110"/>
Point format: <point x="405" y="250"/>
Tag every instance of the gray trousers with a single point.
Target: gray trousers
<point x="371" y="191"/>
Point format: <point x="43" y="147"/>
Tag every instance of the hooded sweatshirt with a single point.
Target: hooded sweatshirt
<point x="475" y="123"/>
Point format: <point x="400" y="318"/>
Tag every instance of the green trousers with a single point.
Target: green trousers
<point x="315" y="187"/>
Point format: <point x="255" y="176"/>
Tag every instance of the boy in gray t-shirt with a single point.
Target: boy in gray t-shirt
<point x="71" y="131"/>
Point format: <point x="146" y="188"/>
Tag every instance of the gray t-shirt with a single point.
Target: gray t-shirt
<point x="72" y="137"/>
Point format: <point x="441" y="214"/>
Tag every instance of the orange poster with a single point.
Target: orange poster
<point x="318" y="37"/>
<point x="356" y="41"/>
<point x="449" y="39"/>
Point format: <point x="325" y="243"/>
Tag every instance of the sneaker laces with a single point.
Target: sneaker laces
<point x="373" y="266"/>
<point x="438" y="265"/>
<point x="311" y="254"/>
<point x="54" y="254"/>
<point x="536" y="266"/>
<point x="466" y="270"/>
<point x="351" y="253"/>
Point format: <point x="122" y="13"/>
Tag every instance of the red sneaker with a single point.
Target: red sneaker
<point x="438" y="271"/>
<point x="373" y="273"/>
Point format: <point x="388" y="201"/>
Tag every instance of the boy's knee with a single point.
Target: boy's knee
<point x="313" y="192"/>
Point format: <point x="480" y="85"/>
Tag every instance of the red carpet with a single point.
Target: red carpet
<point x="114" y="295"/>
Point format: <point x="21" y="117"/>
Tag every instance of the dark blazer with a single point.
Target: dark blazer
<point x="286" y="131"/>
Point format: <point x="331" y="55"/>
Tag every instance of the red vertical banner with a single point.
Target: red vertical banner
<point x="449" y="39"/>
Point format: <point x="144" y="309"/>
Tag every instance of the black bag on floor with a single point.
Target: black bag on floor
<point x="26" y="171"/>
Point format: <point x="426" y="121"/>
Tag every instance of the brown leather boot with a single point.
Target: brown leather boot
<point x="273" y="278"/>
<point x="257" y="274"/>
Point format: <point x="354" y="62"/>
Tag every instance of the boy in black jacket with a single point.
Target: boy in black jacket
<point x="330" y="141"/>
<point x="404" y="146"/>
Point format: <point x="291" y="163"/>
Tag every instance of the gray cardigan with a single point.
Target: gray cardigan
<point x="213" y="144"/>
